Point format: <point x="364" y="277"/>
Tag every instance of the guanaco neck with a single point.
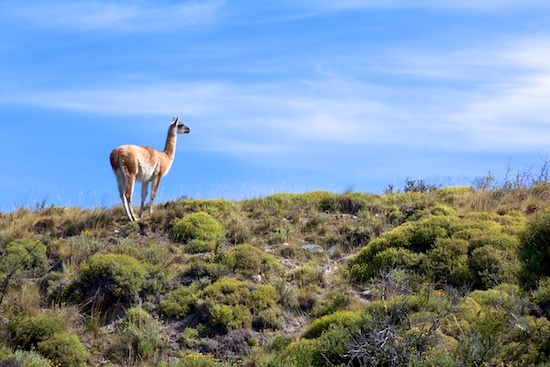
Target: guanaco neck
<point x="170" y="147"/>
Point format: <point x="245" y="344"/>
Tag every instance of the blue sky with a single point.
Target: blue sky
<point x="280" y="96"/>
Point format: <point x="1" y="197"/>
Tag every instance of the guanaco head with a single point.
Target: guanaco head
<point x="180" y="127"/>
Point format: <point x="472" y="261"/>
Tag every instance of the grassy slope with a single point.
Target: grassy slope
<point x="212" y="303"/>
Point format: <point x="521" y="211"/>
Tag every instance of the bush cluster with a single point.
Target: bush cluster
<point x="107" y="279"/>
<point x="425" y="277"/>
<point x="232" y="304"/>
<point x="426" y="329"/>
<point x="536" y="249"/>
<point x="22" y="258"/>
<point x="249" y="260"/>
<point x="200" y="231"/>
<point x="479" y="248"/>
<point x="46" y="335"/>
<point x="228" y="303"/>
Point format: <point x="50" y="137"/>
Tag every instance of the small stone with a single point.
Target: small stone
<point x="257" y="278"/>
<point x="313" y="248"/>
<point x="366" y="293"/>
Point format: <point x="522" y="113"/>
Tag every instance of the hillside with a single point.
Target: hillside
<point x="427" y="276"/>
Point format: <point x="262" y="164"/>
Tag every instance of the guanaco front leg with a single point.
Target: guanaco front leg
<point x="144" y="186"/>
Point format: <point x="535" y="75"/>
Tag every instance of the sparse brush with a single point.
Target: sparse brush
<point x="431" y="275"/>
<point x="143" y="332"/>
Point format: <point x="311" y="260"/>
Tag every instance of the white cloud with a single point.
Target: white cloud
<point x="507" y="105"/>
<point x="493" y="98"/>
<point x="121" y="100"/>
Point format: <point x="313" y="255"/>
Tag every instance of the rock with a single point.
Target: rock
<point x="366" y="294"/>
<point x="210" y="346"/>
<point x="257" y="278"/>
<point x="312" y="248"/>
<point x="231" y="346"/>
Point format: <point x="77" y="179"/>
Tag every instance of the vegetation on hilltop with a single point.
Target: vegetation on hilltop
<point x="431" y="276"/>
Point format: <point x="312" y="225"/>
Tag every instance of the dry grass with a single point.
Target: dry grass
<point x="309" y="284"/>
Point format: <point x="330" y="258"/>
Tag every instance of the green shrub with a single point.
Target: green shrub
<point x="180" y="302"/>
<point x="263" y="303"/>
<point x="435" y="357"/>
<point x="326" y="350"/>
<point x="536" y="251"/>
<point x="26" y="334"/>
<point x="339" y="300"/>
<point x="113" y="277"/>
<point x="349" y="320"/>
<point x="191" y="337"/>
<point x="504" y="296"/>
<point x="197" y="360"/>
<point x="195" y="246"/>
<point x="142" y="331"/>
<point x="280" y="342"/>
<point x="23" y="257"/>
<point x="30" y="359"/>
<point x="452" y="195"/>
<point x="531" y="348"/>
<point x="244" y="257"/>
<point x="225" y="303"/>
<point x="233" y="304"/>
<point x="493" y="266"/>
<point x="396" y="257"/>
<point x="442" y="210"/>
<point x="231" y="317"/>
<point x="424" y="234"/>
<point x="317" y="200"/>
<point x="269" y="318"/>
<point x="486" y="340"/>
<point x="399" y="237"/>
<point x="215" y="207"/>
<point x="237" y="228"/>
<point x="353" y="237"/>
<point x="542" y="294"/>
<point x="262" y="297"/>
<point x="200" y="230"/>
<point x="65" y="349"/>
<point x="298" y="354"/>
<point x="308" y="274"/>
<point x="448" y="263"/>
<point x="6" y="353"/>
<point x="77" y="249"/>
<point x="198" y="269"/>
<point x="151" y="251"/>
<point x="136" y="316"/>
<point x="229" y="291"/>
<point x="250" y="260"/>
<point x="448" y="249"/>
<point x="384" y="260"/>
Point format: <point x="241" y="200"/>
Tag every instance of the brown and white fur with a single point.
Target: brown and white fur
<point x="145" y="164"/>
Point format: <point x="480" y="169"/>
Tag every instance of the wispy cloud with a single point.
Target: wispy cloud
<point x="479" y="5"/>
<point x="121" y="99"/>
<point x="110" y="16"/>
<point x="474" y="99"/>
